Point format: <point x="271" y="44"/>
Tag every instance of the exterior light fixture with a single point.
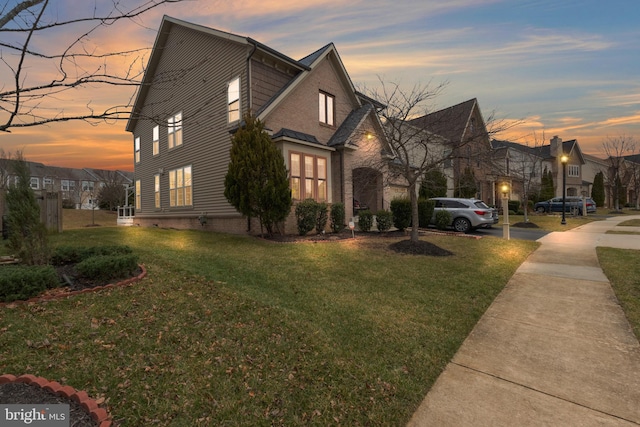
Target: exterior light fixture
<point x="564" y="159"/>
<point x="506" y="233"/>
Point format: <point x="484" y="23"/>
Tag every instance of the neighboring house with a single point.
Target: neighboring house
<point x="516" y="161"/>
<point x="519" y="166"/>
<point x="467" y="145"/>
<point x="78" y="187"/>
<point x="200" y="82"/>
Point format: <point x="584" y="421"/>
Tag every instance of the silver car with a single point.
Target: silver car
<point x="466" y="214"/>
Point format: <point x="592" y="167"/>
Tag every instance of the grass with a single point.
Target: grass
<point x="550" y="222"/>
<point x="232" y="330"/>
<point x="78" y="218"/>
<point x="631" y="223"/>
<point x="623" y="271"/>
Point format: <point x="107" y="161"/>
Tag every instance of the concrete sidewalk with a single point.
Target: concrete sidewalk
<point x="553" y="349"/>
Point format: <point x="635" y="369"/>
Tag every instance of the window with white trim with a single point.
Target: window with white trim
<point x="573" y="170"/>
<point x="308" y="177"/>
<point x="136" y="149"/>
<point x="156" y="179"/>
<point x="87" y="185"/>
<point x="326" y="104"/>
<point x="180" y="187"/>
<point x="34" y="183"/>
<point x="233" y="100"/>
<point x="156" y="140"/>
<point x="174" y="130"/>
<point x="64" y="185"/>
<point x="137" y="194"/>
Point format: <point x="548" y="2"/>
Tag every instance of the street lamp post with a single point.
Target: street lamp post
<point x="564" y="159"/>
<point x="506" y="234"/>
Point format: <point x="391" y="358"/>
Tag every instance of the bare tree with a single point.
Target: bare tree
<point x="522" y="163"/>
<point x="616" y="149"/>
<point x="418" y="144"/>
<point x="30" y="98"/>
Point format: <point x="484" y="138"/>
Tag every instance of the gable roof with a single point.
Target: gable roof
<point x="310" y="62"/>
<point x="450" y="122"/>
<point x="161" y="39"/>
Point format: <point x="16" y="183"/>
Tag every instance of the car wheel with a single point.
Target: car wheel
<point x="540" y="209"/>
<point x="462" y="225"/>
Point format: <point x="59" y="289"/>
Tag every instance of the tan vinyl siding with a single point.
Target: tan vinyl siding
<point x="191" y="77"/>
<point x="266" y="81"/>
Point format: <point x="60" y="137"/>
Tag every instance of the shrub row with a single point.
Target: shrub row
<point x="401" y="209"/>
<point x="74" y="254"/>
<point x="107" y="267"/>
<point x="311" y="214"/>
<point x="18" y="282"/>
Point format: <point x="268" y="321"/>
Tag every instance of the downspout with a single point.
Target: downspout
<point x="255" y="47"/>
<point x="248" y="65"/>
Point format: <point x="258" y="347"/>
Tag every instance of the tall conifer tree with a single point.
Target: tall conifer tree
<point x="257" y="183"/>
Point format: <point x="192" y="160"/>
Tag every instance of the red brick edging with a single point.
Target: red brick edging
<point x="99" y="415"/>
<point x="43" y="298"/>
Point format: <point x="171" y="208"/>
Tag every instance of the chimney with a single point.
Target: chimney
<point x="556" y="146"/>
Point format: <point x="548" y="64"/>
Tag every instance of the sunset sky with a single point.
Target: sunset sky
<point x="569" y="68"/>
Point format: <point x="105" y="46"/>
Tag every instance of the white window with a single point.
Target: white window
<point x="137" y="194"/>
<point x="64" y="185"/>
<point x="47" y="181"/>
<point x="233" y="100"/>
<point x="157" y="190"/>
<point x="325" y="108"/>
<point x="573" y="170"/>
<point x="308" y="177"/>
<point x="87" y="185"/>
<point x="136" y="148"/>
<point x="35" y="183"/>
<point x="180" y="184"/>
<point x="174" y="129"/>
<point x="156" y="140"/>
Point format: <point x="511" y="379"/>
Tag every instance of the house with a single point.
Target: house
<point x="519" y="164"/>
<point x="201" y="81"/>
<point x="78" y="187"/>
<point x="467" y="145"/>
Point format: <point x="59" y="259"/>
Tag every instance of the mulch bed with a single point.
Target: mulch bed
<point x="21" y="393"/>
<point x="31" y="390"/>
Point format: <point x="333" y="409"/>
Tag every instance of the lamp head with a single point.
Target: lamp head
<point x="564" y="159"/>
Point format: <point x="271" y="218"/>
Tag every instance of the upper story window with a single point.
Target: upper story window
<point x="308" y="177"/>
<point x="233" y="100"/>
<point x="573" y="170"/>
<point x="180" y="185"/>
<point x="87" y="185"/>
<point x="325" y="108"/>
<point x="64" y="185"/>
<point x="174" y="130"/>
<point x="136" y="149"/>
<point x="34" y="183"/>
<point x="156" y="140"/>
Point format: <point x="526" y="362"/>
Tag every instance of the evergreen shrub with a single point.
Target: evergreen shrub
<point x="443" y="219"/>
<point x="306" y="215"/>
<point x="337" y="217"/>
<point x="384" y="220"/>
<point x="18" y="282"/>
<point x="365" y="220"/>
<point x="425" y="212"/>
<point x="401" y="210"/>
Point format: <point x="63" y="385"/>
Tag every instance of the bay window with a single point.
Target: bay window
<point x="308" y="177"/>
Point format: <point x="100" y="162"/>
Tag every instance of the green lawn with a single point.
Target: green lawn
<point x="233" y="330"/>
<point x="623" y="271"/>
